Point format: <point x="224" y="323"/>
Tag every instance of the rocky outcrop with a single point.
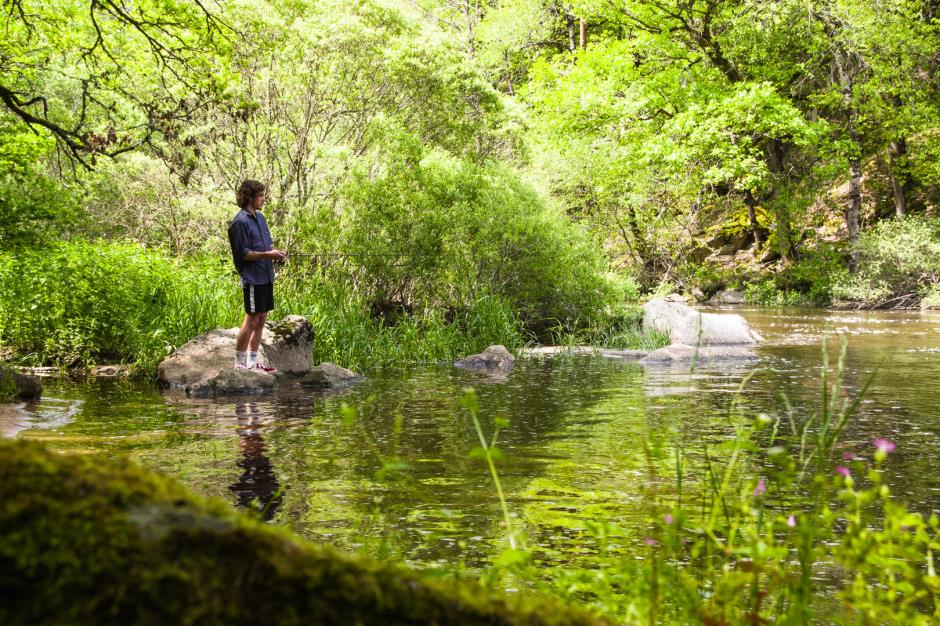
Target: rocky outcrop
<point x="204" y="365"/>
<point x="90" y="540"/>
<point x="288" y="345"/>
<point x="494" y="357"/>
<point x="687" y="326"/>
<point x="330" y="376"/>
<point x="14" y="385"/>
<point x="698" y="337"/>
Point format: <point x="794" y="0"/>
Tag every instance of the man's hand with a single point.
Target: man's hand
<point x="277" y="255"/>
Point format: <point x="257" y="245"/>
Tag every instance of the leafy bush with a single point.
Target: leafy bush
<point x="436" y="232"/>
<point x="898" y="262"/>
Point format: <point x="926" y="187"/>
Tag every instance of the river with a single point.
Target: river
<point x="575" y="450"/>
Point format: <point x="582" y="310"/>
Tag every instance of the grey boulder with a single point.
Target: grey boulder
<point x="195" y="367"/>
<point x="686" y="326"/>
<point x="727" y="296"/>
<point x="494" y="357"/>
<point x="330" y="376"/>
<point x="231" y="381"/>
<point x="22" y="386"/>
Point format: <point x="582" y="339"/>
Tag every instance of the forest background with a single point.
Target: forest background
<point x="448" y="174"/>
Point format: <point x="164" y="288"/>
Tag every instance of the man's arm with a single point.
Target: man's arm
<point x="253" y="255"/>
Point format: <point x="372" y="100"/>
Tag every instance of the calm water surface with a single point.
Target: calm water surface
<point x="574" y="449"/>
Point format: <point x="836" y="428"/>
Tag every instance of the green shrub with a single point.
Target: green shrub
<point x="347" y="331"/>
<point x="898" y="262"/>
<point x="435" y="232"/>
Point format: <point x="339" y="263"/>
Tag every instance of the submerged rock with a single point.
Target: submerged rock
<point x="14" y="385"/>
<point x="686" y="326"/>
<point x="494" y="357"/>
<point x="196" y="367"/>
<point x="681" y="354"/>
<point x="329" y="375"/>
<point x="231" y="381"/>
<point x="88" y="540"/>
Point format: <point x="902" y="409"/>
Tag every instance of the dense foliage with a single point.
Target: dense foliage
<point x="424" y="157"/>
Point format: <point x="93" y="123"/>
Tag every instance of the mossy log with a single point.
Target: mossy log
<point x="85" y="540"/>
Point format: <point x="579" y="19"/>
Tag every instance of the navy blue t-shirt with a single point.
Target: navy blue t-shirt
<point x="249" y="233"/>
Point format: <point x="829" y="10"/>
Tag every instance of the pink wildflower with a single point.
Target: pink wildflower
<point x="650" y="541"/>
<point x="791" y="521"/>
<point x="668" y="518"/>
<point x="885" y="446"/>
<point x="844" y="471"/>
<point x="761" y="487"/>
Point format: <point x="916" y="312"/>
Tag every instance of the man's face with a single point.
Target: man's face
<point x="258" y="202"/>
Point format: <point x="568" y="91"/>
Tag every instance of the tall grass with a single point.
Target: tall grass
<point x="82" y="303"/>
<point x="346" y="333"/>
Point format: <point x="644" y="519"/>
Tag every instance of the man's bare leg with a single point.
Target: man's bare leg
<point x="255" y="341"/>
<point x="248" y="337"/>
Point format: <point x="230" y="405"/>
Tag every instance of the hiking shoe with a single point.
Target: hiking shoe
<point x="241" y="366"/>
<point x="266" y="368"/>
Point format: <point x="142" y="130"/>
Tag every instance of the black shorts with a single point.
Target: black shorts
<point x="259" y="298"/>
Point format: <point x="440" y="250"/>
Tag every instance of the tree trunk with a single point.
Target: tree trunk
<point x="853" y="210"/>
<point x="582" y="39"/>
<point x="572" y="41"/>
<point x="751" y="204"/>
<point x="900" y="180"/>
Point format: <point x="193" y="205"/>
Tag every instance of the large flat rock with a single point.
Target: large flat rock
<point x="196" y="367"/>
<point x="231" y="381"/>
<point x="686" y="326"/>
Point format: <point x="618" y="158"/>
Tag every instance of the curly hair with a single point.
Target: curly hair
<point x="247" y="192"/>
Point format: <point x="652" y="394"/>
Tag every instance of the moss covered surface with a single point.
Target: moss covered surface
<point x="85" y="540"/>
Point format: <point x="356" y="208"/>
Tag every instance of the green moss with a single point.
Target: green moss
<point x="84" y="540"/>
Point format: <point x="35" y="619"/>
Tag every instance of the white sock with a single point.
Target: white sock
<point x="241" y="358"/>
<point x="252" y="359"/>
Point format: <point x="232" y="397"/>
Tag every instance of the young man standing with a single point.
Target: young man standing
<point x="254" y="256"/>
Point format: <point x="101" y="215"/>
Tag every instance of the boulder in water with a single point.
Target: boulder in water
<point x="197" y="365"/>
<point x="15" y="385"/>
<point x="685" y="325"/>
<point x="727" y="296"/>
<point x="494" y="357"/>
<point x="230" y="381"/>
<point x="330" y="376"/>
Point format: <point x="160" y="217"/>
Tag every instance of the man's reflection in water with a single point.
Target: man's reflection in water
<point x="257" y="487"/>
